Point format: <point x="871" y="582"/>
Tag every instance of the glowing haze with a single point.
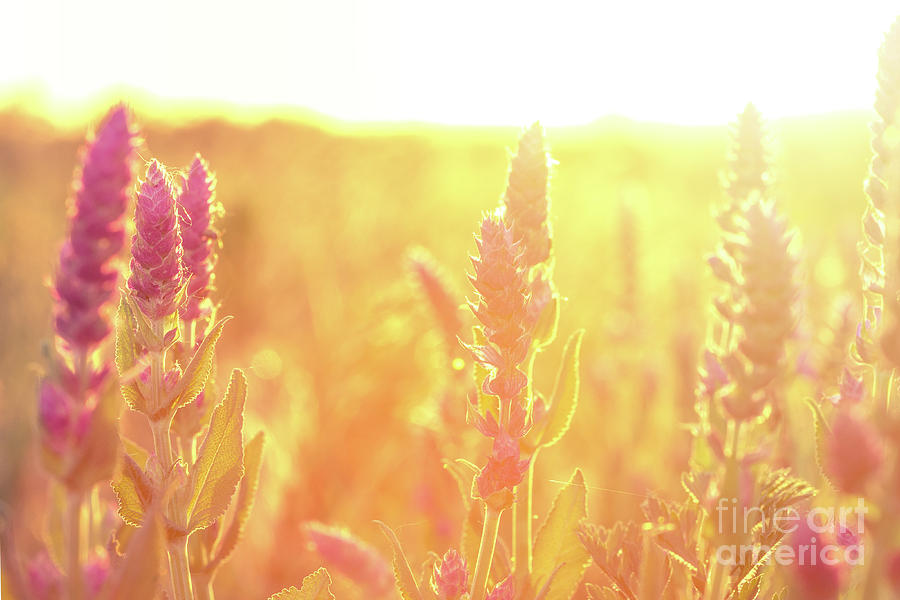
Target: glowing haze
<point x="468" y="61"/>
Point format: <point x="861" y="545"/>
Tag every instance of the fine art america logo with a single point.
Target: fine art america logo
<point x="821" y="536"/>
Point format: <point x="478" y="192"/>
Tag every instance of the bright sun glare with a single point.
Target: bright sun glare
<point x="467" y="62"/>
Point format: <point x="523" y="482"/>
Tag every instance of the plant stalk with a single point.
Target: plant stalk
<point x="523" y="518"/>
<point x="73" y="545"/>
<point x="485" y="553"/>
<point x="179" y="569"/>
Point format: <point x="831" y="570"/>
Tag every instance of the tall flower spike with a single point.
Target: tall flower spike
<point x="501" y="308"/>
<point x="157" y="278"/>
<point x="748" y="167"/>
<point x="196" y="209"/>
<point x="86" y="281"/>
<point x="526" y="199"/>
<point x="767" y="306"/>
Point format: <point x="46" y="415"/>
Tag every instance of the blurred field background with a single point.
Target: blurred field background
<point x="346" y="364"/>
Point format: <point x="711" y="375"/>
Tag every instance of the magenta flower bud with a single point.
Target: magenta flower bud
<point x="196" y="208"/>
<point x="818" y="570"/>
<point x="854" y="452"/>
<point x="504" y="470"/>
<point x="505" y="590"/>
<point x="54" y="416"/>
<point x="450" y="577"/>
<point x="86" y="281"/>
<point x="156" y="280"/>
<point x="44" y="578"/>
<point x="95" y="573"/>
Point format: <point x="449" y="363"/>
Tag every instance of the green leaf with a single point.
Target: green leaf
<point x="246" y="496"/>
<point x="197" y="372"/>
<point x="403" y="575"/>
<point x="316" y="586"/>
<point x="134" y="492"/>
<point x="127" y="357"/>
<point x="565" y="393"/>
<point x="219" y="465"/>
<point x="557" y="547"/>
<point x="822" y="431"/>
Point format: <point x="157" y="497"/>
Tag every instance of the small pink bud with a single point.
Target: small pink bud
<point x="712" y="375"/>
<point x="854" y="452"/>
<point x="818" y="569"/>
<point x="95" y="573"/>
<point x="54" y="412"/>
<point x="44" y="578"/>
<point x="504" y="470"/>
<point x="892" y="568"/>
<point x="450" y="577"/>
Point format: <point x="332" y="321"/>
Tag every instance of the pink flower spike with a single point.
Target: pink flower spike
<point x="86" y="280"/>
<point x="450" y="577"/>
<point x="196" y="210"/>
<point x="157" y="277"/>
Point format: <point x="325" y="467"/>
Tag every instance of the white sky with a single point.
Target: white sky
<point x="457" y="61"/>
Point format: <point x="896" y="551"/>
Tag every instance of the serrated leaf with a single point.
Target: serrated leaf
<point x="403" y="575"/>
<point x="557" y="545"/>
<point x="565" y="393"/>
<point x="315" y="586"/>
<point x="219" y="465"/>
<point x="821" y="429"/>
<point x="134" y="492"/>
<point x="127" y="357"/>
<point x="197" y="372"/>
<point x="244" y="503"/>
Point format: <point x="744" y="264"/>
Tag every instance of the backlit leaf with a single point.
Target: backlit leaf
<point x="315" y="586"/>
<point x="403" y="575"/>
<point x="557" y="545"/>
<point x="246" y="496"/>
<point x="127" y="357"/>
<point x="565" y="393"/>
<point x="134" y="492"/>
<point x="219" y="464"/>
<point x="198" y="369"/>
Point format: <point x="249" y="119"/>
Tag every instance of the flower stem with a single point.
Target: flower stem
<point x="73" y="545"/>
<point x="179" y="569"/>
<point x="523" y="513"/>
<point x="485" y="552"/>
